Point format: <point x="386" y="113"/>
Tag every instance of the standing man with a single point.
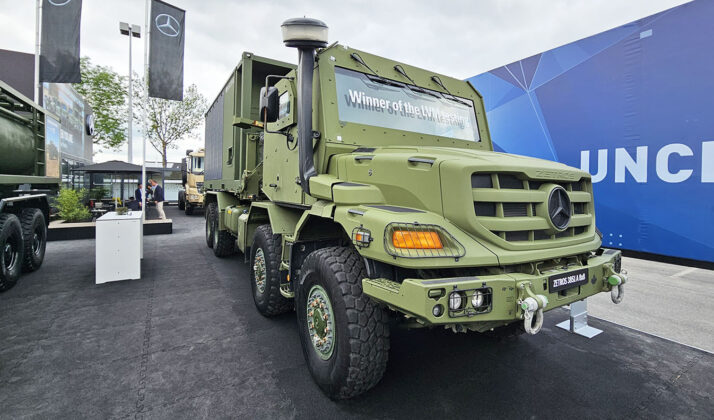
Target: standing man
<point x="158" y="195"/>
<point x="139" y="196"/>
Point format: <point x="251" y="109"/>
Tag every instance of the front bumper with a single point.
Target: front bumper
<point x="503" y="293"/>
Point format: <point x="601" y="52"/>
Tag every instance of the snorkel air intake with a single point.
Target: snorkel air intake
<point x="306" y="35"/>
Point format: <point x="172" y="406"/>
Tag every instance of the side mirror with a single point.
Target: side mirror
<point x="269" y="103"/>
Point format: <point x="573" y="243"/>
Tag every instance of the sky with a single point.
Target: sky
<point x="459" y="38"/>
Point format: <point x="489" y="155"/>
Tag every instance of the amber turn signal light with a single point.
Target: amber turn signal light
<point x="416" y="239"/>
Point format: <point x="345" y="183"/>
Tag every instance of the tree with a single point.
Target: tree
<point x="105" y="91"/>
<point x="166" y="122"/>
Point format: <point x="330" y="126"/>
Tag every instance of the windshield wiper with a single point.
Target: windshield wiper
<point x="450" y="95"/>
<point x="376" y="77"/>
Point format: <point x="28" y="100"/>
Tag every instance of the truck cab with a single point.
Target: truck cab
<point x="191" y="196"/>
<point x="373" y="192"/>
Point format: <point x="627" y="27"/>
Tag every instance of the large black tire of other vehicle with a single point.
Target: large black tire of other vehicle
<point x="188" y="209"/>
<point x="212" y="208"/>
<point x="358" y="358"/>
<point x="181" y="200"/>
<point x="11" y="251"/>
<point x="265" y="256"/>
<point x="34" y="234"/>
<point x="223" y="241"/>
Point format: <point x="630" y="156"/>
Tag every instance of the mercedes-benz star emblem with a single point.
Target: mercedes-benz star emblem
<point x="559" y="208"/>
<point x="167" y="25"/>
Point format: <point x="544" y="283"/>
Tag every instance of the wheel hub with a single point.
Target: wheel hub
<point x="259" y="270"/>
<point x="36" y="243"/>
<point x="320" y="322"/>
<point x="9" y="256"/>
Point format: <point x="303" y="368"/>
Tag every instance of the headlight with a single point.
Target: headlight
<point x="455" y="301"/>
<point x="477" y="299"/>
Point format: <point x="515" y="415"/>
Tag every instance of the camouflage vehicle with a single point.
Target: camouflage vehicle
<point x="363" y="190"/>
<point x="24" y="184"/>
<point x="191" y="196"/>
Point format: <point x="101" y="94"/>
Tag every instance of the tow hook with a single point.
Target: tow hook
<point x="617" y="281"/>
<point x="532" y="307"/>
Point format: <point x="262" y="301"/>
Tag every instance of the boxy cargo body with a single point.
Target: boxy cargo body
<point x="24" y="207"/>
<point x="408" y="210"/>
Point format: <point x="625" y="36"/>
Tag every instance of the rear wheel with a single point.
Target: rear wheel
<point x="223" y="241"/>
<point x="344" y="334"/>
<point x="181" y="200"/>
<point x="212" y="207"/>
<point x="34" y="234"/>
<point x="265" y="276"/>
<point x="11" y="250"/>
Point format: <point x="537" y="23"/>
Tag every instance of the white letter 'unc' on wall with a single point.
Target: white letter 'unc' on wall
<point x="637" y="168"/>
<point x="663" y="171"/>
<point x="601" y="164"/>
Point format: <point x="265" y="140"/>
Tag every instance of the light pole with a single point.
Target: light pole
<point x="132" y="31"/>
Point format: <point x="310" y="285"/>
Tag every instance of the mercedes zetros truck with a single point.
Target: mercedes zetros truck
<point x="361" y="189"/>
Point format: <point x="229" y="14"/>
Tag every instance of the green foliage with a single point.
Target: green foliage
<point x="166" y="122"/>
<point x="71" y="209"/>
<point x="98" y="193"/>
<point x="106" y="92"/>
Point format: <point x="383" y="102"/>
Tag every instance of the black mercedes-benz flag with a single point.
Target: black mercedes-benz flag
<point x="166" y="51"/>
<point x="59" y="50"/>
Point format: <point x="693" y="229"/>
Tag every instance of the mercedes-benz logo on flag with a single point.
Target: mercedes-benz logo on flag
<point x="559" y="208"/>
<point x="167" y="25"/>
<point x="59" y="2"/>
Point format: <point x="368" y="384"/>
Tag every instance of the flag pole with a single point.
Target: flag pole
<point x="38" y="11"/>
<point x="146" y="105"/>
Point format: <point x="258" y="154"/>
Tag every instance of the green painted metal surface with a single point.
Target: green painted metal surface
<point x="22" y="143"/>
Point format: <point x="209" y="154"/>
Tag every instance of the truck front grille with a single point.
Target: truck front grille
<point x="514" y="208"/>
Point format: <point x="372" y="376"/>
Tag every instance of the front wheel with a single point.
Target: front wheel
<point x="188" y="208"/>
<point x="344" y="334"/>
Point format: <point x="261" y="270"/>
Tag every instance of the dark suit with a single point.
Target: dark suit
<point x="137" y="195"/>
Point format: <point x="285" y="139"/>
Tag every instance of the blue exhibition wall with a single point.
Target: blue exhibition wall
<point x="634" y="106"/>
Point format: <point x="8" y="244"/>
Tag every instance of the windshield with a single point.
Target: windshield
<point x="197" y="165"/>
<point x="382" y="103"/>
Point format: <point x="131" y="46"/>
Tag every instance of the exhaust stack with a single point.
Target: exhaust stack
<point x="306" y="35"/>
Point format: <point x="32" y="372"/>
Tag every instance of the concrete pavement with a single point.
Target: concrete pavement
<point x="185" y="341"/>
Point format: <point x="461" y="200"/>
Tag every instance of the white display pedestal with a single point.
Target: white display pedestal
<point x="119" y="245"/>
<point x="578" y="321"/>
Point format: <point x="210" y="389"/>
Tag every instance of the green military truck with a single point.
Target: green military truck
<point x="362" y="191"/>
<point x="191" y="196"/>
<point x="24" y="184"/>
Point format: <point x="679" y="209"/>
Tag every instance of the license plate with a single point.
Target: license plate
<point x="567" y="280"/>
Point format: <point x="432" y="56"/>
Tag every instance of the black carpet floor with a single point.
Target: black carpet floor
<point x="185" y="341"/>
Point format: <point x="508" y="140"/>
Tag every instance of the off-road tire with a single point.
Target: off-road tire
<point x="181" y="200"/>
<point x="212" y="208"/>
<point x="359" y="358"/>
<point x="33" y="223"/>
<point x="10" y="232"/>
<point x="270" y="302"/>
<point x="223" y="241"/>
<point x="188" y="209"/>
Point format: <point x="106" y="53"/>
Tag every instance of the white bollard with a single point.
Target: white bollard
<point x="578" y="322"/>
